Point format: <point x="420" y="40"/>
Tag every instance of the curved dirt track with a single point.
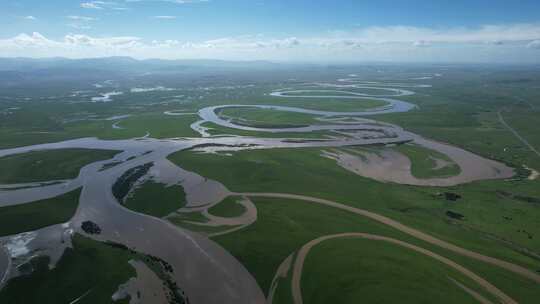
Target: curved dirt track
<point x="408" y="230"/>
<point x="299" y="264"/>
<point x="473" y="293"/>
<point x="205" y="265"/>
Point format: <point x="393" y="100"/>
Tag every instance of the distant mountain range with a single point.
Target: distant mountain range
<point x="125" y="64"/>
<point x="21" y="73"/>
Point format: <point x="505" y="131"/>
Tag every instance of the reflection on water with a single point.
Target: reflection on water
<point x="200" y="264"/>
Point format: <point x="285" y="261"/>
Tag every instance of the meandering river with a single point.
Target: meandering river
<point x="200" y="265"/>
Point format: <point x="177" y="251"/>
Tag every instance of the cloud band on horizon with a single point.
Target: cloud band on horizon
<point x="488" y="43"/>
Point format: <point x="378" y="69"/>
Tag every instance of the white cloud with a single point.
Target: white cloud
<point x="105" y="43"/>
<point x="246" y="42"/>
<point x="187" y="1"/>
<point x="92" y="5"/>
<point x="535" y="44"/>
<point x="29" y="18"/>
<point x="408" y="34"/>
<point x="511" y="43"/>
<point x="165" y="17"/>
<point x="81" y="18"/>
<point x="100" y="5"/>
<point x="290" y="42"/>
<point x="80" y="22"/>
<point x="422" y="43"/>
<point x="35" y="39"/>
<point x="171" y="1"/>
<point x="79" y="26"/>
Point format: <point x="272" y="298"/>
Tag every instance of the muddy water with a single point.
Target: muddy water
<point x="49" y="241"/>
<point x="388" y="165"/>
<point x="473" y="167"/>
<point x="145" y="288"/>
<point x="339" y="93"/>
<point x="200" y="264"/>
<point x="391" y="166"/>
<point x="32" y="192"/>
<point x="206" y="272"/>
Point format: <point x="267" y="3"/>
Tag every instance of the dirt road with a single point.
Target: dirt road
<point x="516" y="134"/>
<point x="408" y="230"/>
<point x="299" y="264"/>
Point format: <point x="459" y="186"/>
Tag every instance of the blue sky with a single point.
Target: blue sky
<point x="295" y="30"/>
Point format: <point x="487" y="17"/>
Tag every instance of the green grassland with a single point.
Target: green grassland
<point x="500" y="217"/>
<point x="229" y="207"/>
<point x="163" y="201"/>
<point x="493" y="224"/>
<point x="349" y="270"/>
<point x="304" y="171"/>
<point x="284" y="225"/>
<point x="424" y="166"/>
<point x="42" y="166"/>
<point x="157" y="125"/>
<point x="339" y="91"/>
<point x="479" y="132"/>
<point x="156" y="199"/>
<point x="39" y="214"/>
<point x="461" y="109"/>
<point x="267" y="118"/>
<point x="38" y="123"/>
<point x="525" y="122"/>
<point x="310" y="94"/>
<point x="283" y="291"/>
<point x="89" y="266"/>
<point x="326" y="104"/>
